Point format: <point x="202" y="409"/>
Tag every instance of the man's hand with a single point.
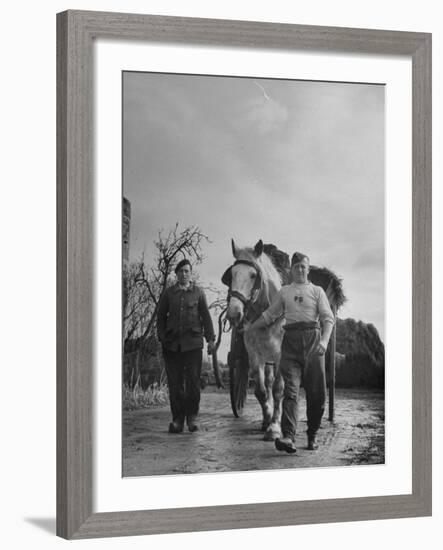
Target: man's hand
<point x="321" y="348"/>
<point x="245" y="326"/>
<point x="211" y="347"/>
<point x="324" y="338"/>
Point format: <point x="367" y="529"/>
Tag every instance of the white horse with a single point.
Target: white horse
<point x="253" y="283"/>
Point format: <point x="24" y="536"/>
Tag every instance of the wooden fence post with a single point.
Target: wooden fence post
<point x="332" y="368"/>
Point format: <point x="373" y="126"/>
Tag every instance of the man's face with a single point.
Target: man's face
<point x="300" y="271"/>
<point x="184" y="274"/>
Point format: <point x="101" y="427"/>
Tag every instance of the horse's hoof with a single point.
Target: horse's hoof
<point x="271" y="435"/>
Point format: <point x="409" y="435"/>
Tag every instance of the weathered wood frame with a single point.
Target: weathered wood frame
<point x="76" y="31"/>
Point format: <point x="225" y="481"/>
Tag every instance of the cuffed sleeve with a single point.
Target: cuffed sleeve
<point x="275" y="310"/>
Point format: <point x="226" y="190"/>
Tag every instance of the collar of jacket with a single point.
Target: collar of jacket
<point x="178" y="288"/>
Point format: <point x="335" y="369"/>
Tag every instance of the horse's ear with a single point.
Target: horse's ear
<point x="234" y="248"/>
<point x="258" y="248"/>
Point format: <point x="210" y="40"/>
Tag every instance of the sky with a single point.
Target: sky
<point x="296" y="163"/>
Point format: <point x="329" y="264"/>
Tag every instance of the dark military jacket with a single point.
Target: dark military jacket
<point x="183" y="318"/>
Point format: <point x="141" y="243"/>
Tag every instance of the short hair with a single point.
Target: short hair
<point x="182" y="263"/>
<point x="298" y="257"/>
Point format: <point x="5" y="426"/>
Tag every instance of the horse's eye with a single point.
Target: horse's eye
<point x="253" y="275"/>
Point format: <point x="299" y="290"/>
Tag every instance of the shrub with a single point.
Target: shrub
<point x="137" y="398"/>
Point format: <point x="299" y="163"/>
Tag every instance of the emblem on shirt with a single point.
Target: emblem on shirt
<point x="298" y="299"/>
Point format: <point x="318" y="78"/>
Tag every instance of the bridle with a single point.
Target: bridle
<point x="247" y="302"/>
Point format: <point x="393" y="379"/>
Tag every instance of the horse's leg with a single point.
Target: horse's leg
<point x="269" y="381"/>
<point x="273" y="431"/>
<point x="258" y="374"/>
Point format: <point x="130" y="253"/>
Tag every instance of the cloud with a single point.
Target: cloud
<point x="299" y="164"/>
<point x="373" y="258"/>
<point x="264" y="115"/>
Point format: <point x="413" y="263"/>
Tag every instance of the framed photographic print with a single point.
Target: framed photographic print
<point x="226" y="188"/>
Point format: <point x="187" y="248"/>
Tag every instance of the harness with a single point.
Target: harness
<point x="248" y="303"/>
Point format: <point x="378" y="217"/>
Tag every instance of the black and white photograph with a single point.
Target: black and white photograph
<point x="253" y="274"/>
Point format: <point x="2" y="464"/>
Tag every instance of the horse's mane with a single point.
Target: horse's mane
<point x="269" y="271"/>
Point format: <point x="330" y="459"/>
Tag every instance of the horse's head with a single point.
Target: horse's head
<point x="244" y="279"/>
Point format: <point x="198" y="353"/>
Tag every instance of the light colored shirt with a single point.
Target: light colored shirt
<point x="297" y="302"/>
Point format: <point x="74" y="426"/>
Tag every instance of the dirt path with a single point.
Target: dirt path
<point x="225" y="443"/>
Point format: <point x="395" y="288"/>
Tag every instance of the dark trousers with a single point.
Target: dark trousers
<point x="183" y="370"/>
<point x="299" y="364"/>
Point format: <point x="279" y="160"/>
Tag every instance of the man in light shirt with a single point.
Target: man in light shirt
<point x="308" y="327"/>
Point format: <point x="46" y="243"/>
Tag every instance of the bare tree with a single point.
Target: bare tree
<point x="144" y="284"/>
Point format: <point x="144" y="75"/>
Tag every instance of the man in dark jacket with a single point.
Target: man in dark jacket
<point x="183" y="319"/>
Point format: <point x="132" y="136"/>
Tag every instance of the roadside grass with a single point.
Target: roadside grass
<point x="135" y="398"/>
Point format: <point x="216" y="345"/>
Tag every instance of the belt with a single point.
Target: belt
<point x="302" y="325"/>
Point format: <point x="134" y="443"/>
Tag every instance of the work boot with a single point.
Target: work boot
<point x="192" y="425"/>
<point x="175" y="428"/>
<point x="285" y="444"/>
<point x="312" y="443"/>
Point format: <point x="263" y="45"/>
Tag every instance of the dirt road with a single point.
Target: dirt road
<point x="225" y="443"/>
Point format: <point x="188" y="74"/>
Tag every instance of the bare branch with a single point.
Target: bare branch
<point x="143" y="284"/>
